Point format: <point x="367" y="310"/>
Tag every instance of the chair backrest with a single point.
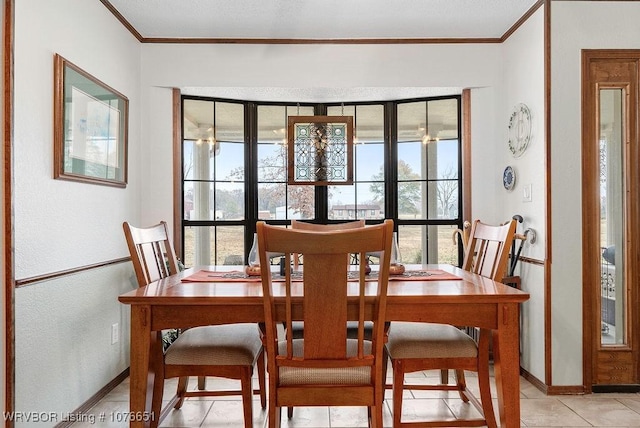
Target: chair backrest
<point x="151" y="252"/>
<point x="487" y="251"/>
<point x="303" y="225"/>
<point x="324" y="291"/>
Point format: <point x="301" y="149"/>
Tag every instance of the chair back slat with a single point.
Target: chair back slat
<point x="303" y="225"/>
<point x="325" y="292"/>
<point x="325" y="306"/>
<point x="487" y="251"/>
<point x="151" y="252"/>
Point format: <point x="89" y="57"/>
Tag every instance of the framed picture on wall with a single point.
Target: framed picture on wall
<point x="90" y="128"/>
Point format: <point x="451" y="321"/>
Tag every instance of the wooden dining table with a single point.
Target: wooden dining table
<point x="459" y="298"/>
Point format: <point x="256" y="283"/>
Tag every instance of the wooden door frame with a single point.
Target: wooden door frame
<point x="590" y="204"/>
<point x="7" y="207"/>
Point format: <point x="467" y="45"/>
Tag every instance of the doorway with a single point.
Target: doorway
<point x="610" y="191"/>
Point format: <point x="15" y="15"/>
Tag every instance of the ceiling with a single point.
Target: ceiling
<point x="326" y="19"/>
<point x="337" y="21"/>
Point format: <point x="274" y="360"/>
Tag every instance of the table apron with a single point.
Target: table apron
<point x="483" y="315"/>
<point x="183" y="316"/>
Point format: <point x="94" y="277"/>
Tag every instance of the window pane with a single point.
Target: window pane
<point x="369" y="161"/>
<point x="229" y="162"/>
<point x="369" y="126"/>
<point x="229" y="201"/>
<point x="342" y="202"/>
<point x="213" y="245"/>
<point x="229" y="122"/>
<point x="445" y="251"/>
<point x="202" y="199"/>
<point x="302" y="203"/>
<point x="412" y="243"/>
<point x="443" y="119"/>
<point x="230" y="245"/>
<point x="411" y="197"/>
<point x="272" y="163"/>
<point x="435" y="241"/>
<point x="443" y="159"/>
<point x="443" y="199"/>
<point x="370" y="205"/>
<point x="412" y="121"/>
<point x="272" y="124"/>
<point x="197" y="160"/>
<point x="270" y="197"/>
<point x="411" y="161"/>
<point x="198" y="119"/>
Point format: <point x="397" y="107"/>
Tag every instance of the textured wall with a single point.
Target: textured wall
<point x="63" y="327"/>
<point x="524" y="83"/>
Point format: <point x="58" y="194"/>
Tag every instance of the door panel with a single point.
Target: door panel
<point x="610" y="217"/>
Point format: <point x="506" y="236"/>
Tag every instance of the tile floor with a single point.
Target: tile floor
<point x="537" y="409"/>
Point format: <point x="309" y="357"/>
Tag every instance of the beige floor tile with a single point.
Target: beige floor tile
<point x="631" y="402"/>
<point x="191" y="414"/>
<point x="105" y="414"/>
<point x="548" y="412"/>
<point x="425" y="409"/>
<point x="528" y="390"/>
<point x="226" y="413"/>
<point x="309" y="417"/>
<point x="600" y="411"/>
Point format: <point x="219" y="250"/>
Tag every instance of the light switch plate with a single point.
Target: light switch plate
<point x="526" y="193"/>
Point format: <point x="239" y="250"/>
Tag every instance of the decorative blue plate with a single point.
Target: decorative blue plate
<point x="509" y="178"/>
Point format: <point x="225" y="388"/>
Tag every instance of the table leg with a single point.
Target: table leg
<point x="141" y="382"/>
<point x="506" y="358"/>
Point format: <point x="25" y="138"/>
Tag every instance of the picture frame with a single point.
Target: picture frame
<point x="90" y="128"/>
<point x="320" y="150"/>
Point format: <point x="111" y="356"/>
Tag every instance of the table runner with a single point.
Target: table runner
<point x="240" y="276"/>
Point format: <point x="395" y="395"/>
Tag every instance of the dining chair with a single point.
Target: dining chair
<point x="297" y="327"/>
<point x="325" y="367"/>
<point x="415" y="346"/>
<point x="303" y="225"/>
<point x="229" y="351"/>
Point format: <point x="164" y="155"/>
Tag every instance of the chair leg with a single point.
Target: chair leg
<point x="375" y="416"/>
<point x="273" y="415"/>
<point x="182" y="388"/>
<point x="247" y="397"/>
<point x="262" y="380"/>
<point x="202" y="383"/>
<point x="157" y="362"/>
<point x="156" y="400"/>
<point x="461" y="382"/>
<point x="444" y="376"/>
<point x="398" y="386"/>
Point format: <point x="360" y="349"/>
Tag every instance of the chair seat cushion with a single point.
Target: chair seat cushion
<point x="321" y="376"/>
<point x="220" y="345"/>
<point x="427" y="340"/>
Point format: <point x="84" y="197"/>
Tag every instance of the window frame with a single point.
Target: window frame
<point x="321" y="194"/>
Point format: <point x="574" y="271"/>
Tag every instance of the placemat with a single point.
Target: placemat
<point x="239" y="276"/>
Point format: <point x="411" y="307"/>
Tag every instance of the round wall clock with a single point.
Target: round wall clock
<point x="508" y="178"/>
<point x="519" y="130"/>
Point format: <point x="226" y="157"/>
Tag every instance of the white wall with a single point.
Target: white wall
<point x="63" y="342"/>
<point x="575" y="26"/>
<point x="291" y="67"/>
<point x="523" y="54"/>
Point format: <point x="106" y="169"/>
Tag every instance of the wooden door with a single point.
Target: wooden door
<point x="610" y="170"/>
